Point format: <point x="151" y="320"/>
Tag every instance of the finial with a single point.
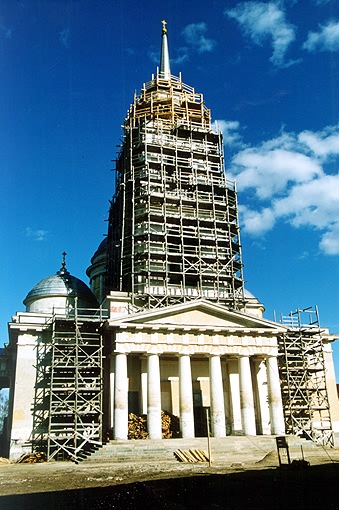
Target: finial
<point x="164" y="29"/>
<point x="63" y="263"/>
<point x="63" y="271"/>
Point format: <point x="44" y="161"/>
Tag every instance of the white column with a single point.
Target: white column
<point x="121" y="397"/>
<point x="246" y="397"/>
<point x="274" y="396"/>
<point x="153" y="397"/>
<point x="186" y="397"/>
<point x="233" y="370"/>
<point x="217" y="398"/>
<point x="111" y="391"/>
<point x="261" y="398"/>
<point x="143" y="382"/>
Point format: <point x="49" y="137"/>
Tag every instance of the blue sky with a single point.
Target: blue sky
<point x="268" y="71"/>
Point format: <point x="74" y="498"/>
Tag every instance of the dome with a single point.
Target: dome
<point x="249" y="295"/>
<point x="59" y="291"/>
<point x="96" y="272"/>
<point x="102" y="250"/>
<point x="252" y="305"/>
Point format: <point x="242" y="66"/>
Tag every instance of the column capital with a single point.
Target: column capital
<point x="153" y="350"/>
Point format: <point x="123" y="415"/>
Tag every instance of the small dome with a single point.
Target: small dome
<point x="59" y="291"/>
<point x="249" y="295"/>
<point x="96" y="272"/>
<point x="242" y="292"/>
<point x="101" y="250"/>
<point x="252" y="304"/>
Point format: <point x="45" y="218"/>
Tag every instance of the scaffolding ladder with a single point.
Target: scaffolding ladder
<point x="67" y="409"/>
<point x="303" y="378"/>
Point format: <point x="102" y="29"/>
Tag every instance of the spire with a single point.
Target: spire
<point x="165" y="69"/>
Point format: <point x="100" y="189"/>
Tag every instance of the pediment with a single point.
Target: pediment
<point x="198" y="314"/>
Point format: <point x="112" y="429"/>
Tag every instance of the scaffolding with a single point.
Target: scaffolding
<point x="173" y="225"/>
<point x="303" y="378"/>
<point x="67" y="409"/>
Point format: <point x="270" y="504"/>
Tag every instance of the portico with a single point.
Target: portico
<point x="188" y="357"/>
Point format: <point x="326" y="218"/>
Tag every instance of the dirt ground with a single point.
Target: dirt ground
<point x="94" y="486"/>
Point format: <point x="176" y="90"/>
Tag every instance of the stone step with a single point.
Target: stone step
<point x="226" y="449"/>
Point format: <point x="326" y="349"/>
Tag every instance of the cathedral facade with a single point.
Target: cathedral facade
<point x="168" y="325"/>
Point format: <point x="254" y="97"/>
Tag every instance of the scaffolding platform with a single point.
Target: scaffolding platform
<point x="67" y="409"/>
<point x="303" y="378"/>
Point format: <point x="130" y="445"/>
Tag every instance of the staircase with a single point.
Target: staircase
<point x="231" y="449"/>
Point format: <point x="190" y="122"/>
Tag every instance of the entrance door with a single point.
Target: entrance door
<point x="200" y="423"/>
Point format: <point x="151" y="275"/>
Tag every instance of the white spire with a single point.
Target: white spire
<point x="165" y="69"/>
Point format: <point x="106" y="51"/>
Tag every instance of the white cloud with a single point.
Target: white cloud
<point x="329" y="242"/>
<point x="230" y="131"/>
<point x="182" y="56"/>
<point x="195" y="39"/>
<point x="257" y="222"/>
<point x="261" y="21"/>
<point x="315" y="203"/>
<point x="269" y="172"/>
<point x="6" y="31"/>
<point x="64" y="37"/>
<point x="195" y="36"/>
<point x="286" y="179"/>
<point x="326" y="39"/>
<point x="36" y="234"/>
<point x="324" y="143"/>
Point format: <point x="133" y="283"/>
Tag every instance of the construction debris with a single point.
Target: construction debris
<point x="191" y="456"/>
<point x="3" y="460"/>
<point x="137" y="426"/>
<point x="170" y="425"/>
<point x="31" y="458"/>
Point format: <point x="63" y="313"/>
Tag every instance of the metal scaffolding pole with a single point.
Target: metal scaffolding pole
<point x="67" y="410"/>
<point x="303" y="378"/>
<point x="173" y="223"/>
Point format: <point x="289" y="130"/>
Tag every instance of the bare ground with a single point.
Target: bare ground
<point x="170" y="486"/>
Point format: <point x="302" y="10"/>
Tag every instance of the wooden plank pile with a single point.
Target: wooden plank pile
<point x="191" y="456"/>
<point x="170" y="425"/>
<point x="137" y="426"/>
<point x="31" y="458"/>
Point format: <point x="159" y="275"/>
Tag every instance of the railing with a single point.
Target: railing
<point x="66" y="312"/>
<point x="166" y="78"/>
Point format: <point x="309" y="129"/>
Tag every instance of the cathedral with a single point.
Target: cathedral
<point x="166" y="324"/>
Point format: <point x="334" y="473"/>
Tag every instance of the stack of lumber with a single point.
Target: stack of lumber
<point x="137" y="427"/>
<point x="191" y="456"/>
<point x="31" y="458"/>
<point x="170" y="425"/>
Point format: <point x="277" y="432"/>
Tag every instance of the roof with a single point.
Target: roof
<point x="61" y="284"/>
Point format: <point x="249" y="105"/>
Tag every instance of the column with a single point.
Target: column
<point x="111" y="391"/>
<point x="233" y="371"/>
<point x="217" y="398"/>
<point x="153" y="397"/>
<point x="186" y="397"/>
<point x="143" y="383"/>
<point x="262" y="413"/>
<point x="274" y="396"/>
<point x="121" y="397"/>
<point x="246" y="397"/>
